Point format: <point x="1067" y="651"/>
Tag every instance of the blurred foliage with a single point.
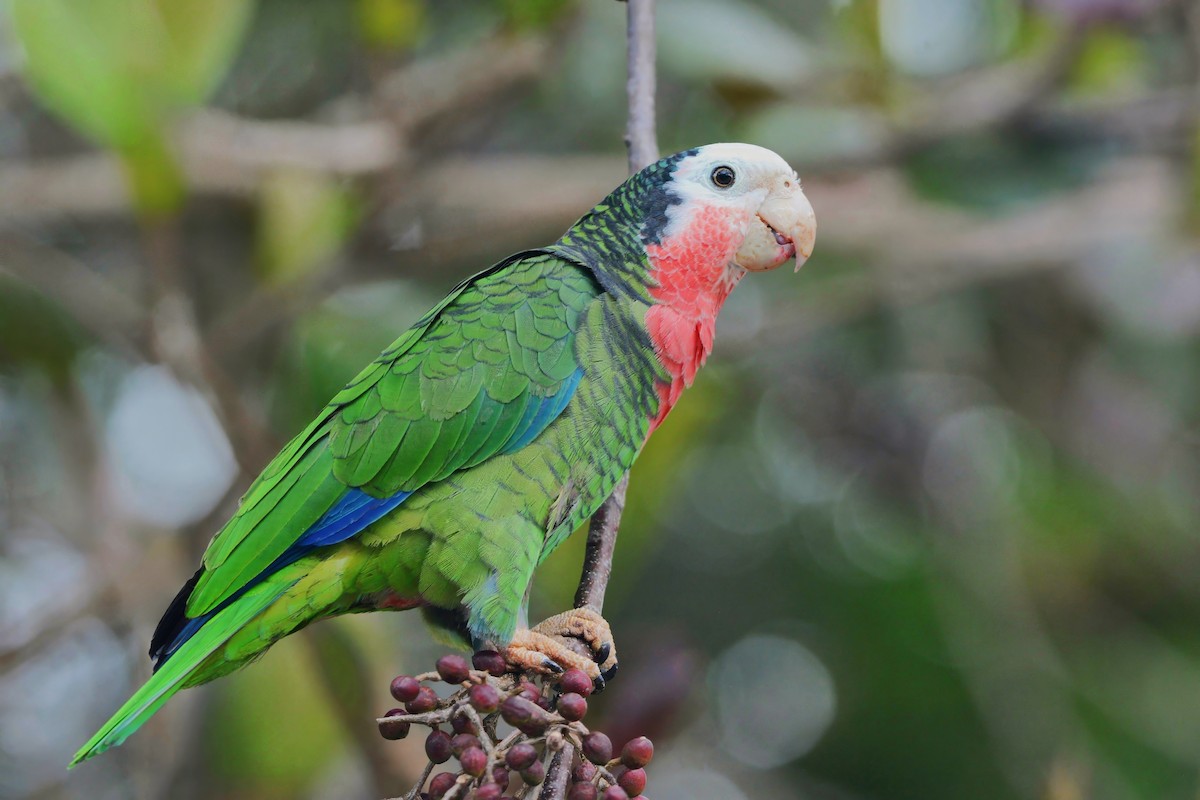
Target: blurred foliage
<point x="525" y="14"/>
<point x="303" y="219"/>
<point x="942" y="488"/>
<point x="1009" y="171"/>
<point x="391" y="25"/>
<point x="254" y="752"/>
<point x="34" y="332"/>
<point x="118" y="70"/>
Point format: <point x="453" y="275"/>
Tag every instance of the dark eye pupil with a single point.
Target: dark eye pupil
<point x="723" y="177"/>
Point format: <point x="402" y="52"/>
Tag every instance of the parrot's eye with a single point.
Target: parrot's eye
<point x="723" y="177"/>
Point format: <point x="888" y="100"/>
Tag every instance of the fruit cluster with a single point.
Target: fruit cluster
<point x="544" y="719"/>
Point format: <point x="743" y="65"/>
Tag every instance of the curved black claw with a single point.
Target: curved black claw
<point x="610" y="673"/>
<point x="602" y="654"/>
<point x="598" y="684"/>
<point x="553" y="666"/>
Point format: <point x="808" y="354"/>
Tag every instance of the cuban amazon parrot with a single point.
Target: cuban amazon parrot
<point x="448" y="469"/>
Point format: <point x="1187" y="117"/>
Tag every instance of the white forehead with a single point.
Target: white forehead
<point x="749" y="159"/>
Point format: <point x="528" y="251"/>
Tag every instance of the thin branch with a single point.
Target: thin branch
<point x="642" y="142"/>
<point x="95" y="304"/>
<point x="602" y="541"/>
<point x="640" y="135"/>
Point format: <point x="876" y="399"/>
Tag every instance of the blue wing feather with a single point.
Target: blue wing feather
<point x="539" y="415"/>
<point x="352" y="514"/>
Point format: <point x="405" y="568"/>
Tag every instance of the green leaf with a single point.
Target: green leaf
<point x="391" y="25"/>
<point x="1112" y="61"/>
<point x="155" y="179"/>
<point x="117" y="70"/>
<point x="533" y="14"/>
<point x="34" y="331"/>
<point x="304" y="217"/>
<point x="202" y="38"/>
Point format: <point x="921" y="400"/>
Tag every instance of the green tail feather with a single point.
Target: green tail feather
<point x="171" y="677"/>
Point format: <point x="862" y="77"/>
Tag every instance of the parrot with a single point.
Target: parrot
<point x="449" y="468"/>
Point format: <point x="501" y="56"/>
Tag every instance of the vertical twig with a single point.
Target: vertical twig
<point x="640" y="135"/>
<point x="642" y="143"/>
<point x="601" y="542"/>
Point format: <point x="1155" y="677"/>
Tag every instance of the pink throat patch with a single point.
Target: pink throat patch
<point x="692" y="277"/>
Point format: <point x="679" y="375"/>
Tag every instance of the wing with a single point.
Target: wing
<point x="482" y="373"/>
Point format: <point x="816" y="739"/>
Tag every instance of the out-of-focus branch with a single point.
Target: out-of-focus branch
<point x="641" y="140"/>
<point x="1004" y="95"/>
<point x="224" y="155"/>
<point x="440" y="85"/>
<point x="227" y="155"/>
<point x="100" y="308"/>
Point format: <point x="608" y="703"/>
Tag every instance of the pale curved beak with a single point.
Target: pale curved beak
<point x="786" y="227"/>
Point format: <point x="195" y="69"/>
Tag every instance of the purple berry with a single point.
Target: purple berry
<point x="395" y="729"/>
<point x="461" y="723"/>
<point x="535" y="725"/>
<point x="582" y="791"/>
<point x="584" y="771"/>
<point x="489" y="791"/>
<point x="453" y="668"/>
<point x="615" y="793"/>
<point x="572" y="706"/>
<point x="597" y="748"/>
<point x="637" y="752"/>
<point x="517" y="710"/>
<point x="441" y="783"/>
<point x="484" y="699"/>
<point x="534" y="774"/>
<point x="521" y="756"/>
<point x="474" y="761"/>
<point x="633" y="781"/>
<point x="424" y="702"/>
<point x="491" y="662"/>
<point x="529" y="691"/>
<point x="405" y="688"/>
<point x="437" y="747"/>
<point x="462" y="742"/>
<point x="500" y="776"/>
<point x="577" y="681"/>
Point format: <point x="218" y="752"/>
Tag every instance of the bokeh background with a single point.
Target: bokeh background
<point x="926" y="527"/>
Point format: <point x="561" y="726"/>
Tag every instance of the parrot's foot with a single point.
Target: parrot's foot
<point x="588" y="627"/>
<point x="542" y="649"/>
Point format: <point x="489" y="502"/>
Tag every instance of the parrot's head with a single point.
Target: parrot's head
<point x="686" y="228"/>
<point x="741" y="199"/>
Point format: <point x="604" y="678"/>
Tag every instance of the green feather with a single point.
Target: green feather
<point x="177" y="670"/>
<point x="313" y="493"/>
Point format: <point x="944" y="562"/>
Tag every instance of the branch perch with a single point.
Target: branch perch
<point x="642" y="142"/>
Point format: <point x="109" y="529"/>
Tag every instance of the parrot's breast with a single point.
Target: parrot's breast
<point x="692" y="274"/>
